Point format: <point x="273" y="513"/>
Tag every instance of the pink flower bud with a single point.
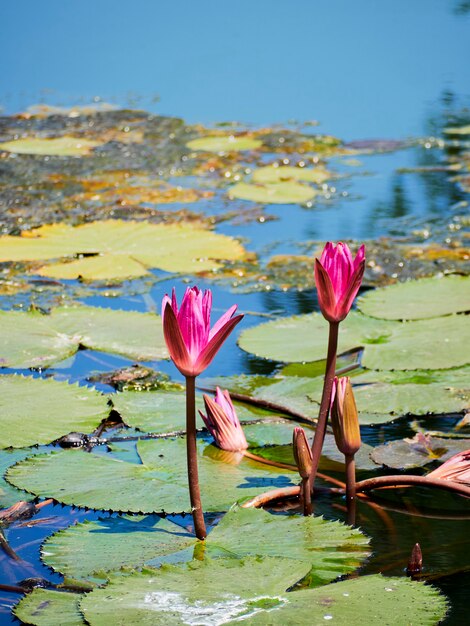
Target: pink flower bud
<point x="222" y="422"/>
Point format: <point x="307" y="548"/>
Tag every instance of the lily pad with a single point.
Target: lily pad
<point x="112" y="543"/>
<point x="56" y="146"/>
<point x="436" y="343"/>
<point x="418" y="299"/>
<point x="159" y="484"/>
<point x="45" y="607"/>
<point x="37" y="410"/>
<point x="227" y="591"/>
<point x="275" y="193"/>
<point x="31" y="339"/>
<point x="121" y="249"/>
<point x="305" y="337"/>
<point x="272" y="174"/>
<point x="227" y="143"/>
<point x="418" y="451"/>
<point x="8" y="494"/>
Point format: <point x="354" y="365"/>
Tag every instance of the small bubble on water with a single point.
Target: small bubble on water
<point x="328" y="617"/>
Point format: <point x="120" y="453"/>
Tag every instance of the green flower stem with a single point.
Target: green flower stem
<point x="320" y="431"/>
<point x="191" y="452"/>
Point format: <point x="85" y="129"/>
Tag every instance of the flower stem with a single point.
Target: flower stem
<point x="191" y="452"/>
<point x="350" y="487"/>
<point x="306" y="496"/>
<point x="410" y="480"/>
<point x="320" y="431"/>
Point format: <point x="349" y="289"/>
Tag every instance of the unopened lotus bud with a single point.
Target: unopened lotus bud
<point x="302" y="452"/>
<point x="415" y="564"/>
<point x="344" y="418"/>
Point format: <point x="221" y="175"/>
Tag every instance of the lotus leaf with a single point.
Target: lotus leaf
<point x="228" y="143"/>
<point x="275" y="193"/>
<point x="56" y="146"/>
<point x="114" y="249"/>
<point x="418" y="299"/>
<point x="37" y="411"/>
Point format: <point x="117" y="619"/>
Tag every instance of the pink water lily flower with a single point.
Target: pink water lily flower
<point x="222" y="422"/>
<point x="190" y="340"/>
<point x="338" y="278"/>
<point x="457" y="468"/>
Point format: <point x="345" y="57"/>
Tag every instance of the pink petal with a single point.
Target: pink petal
<point x="348" y="298"/>
<point x="222" y="321"/>
<point x="192" y="324"/>
<point x="214" y="344"/>
<point x="175" y="342"/>
<point x="360" y="256"/>
<point x="326" y="294"/>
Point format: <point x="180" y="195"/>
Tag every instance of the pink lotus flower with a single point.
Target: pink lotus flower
<point x="222" y="422"/>
<point x="456" y="469"/>
<point x="338" y="279"/>
<point x="191" y="342"/>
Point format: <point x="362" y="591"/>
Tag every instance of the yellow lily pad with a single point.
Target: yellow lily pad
<point x="275" y="193"/>
<point x="226" y="143"/>
<point x="458" y="130"/>
<point x="119" y="249"/>
<point x="56" y="146"/>
<point x="273" y="174"/>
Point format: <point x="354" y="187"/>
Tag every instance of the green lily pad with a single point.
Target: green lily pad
<point x="227" y="591"/>
<point x="37" y="410"/>
<point x="56" y="146"/>
<point x="418" y="299"/>
<point x="436" y="343"/>
<point x="122" y="249"/>
<point x="305" y="337"/>
<point x="8" y="494"/>
<point x="228" y="143"/>
<point x="418" y="451"/>
<point x="112" y="543"/>
<point x="45" y="607"/>
<point x="275" y="193"/>
<point x="30" y="339"/>
<point x="255" y="532"/>
<point x="165" y="411"/>
<point x="159" y="484"/>
<point x="272" y="174"/>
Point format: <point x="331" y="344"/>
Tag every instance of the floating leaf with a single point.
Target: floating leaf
<point x="159" y="484"/>
<point x="164" y="411"/>
<point x="37" y="410"/>
<point x="272" y="174"/>
<point x="436" y="343"/>
<point x="418" y="451"/>
<point x="122" y="249"/>
<point x="305" y="337"/>
<point x="227" y="143"/>
<point x="44" y="607"/>
<point x="418" y="299"/>
<point x="275" y="193"/>
<point x="112" y="543"/>
<point x="458" y="130"/>
<point x="30" y="339"/>
<point x="227" y="591"/>
<point x="8" y="494"/>
<point x="56" y="146"/>
<point x="255" y="532"/>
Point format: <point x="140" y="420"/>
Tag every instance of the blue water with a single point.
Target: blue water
<point x="363" y="69"/>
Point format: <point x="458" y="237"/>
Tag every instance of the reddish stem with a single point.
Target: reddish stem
<point x="320" y="431"/>
<point x="191" y="452"/>
<point x="409" y="480"/>
<point x="306" y="496"/>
